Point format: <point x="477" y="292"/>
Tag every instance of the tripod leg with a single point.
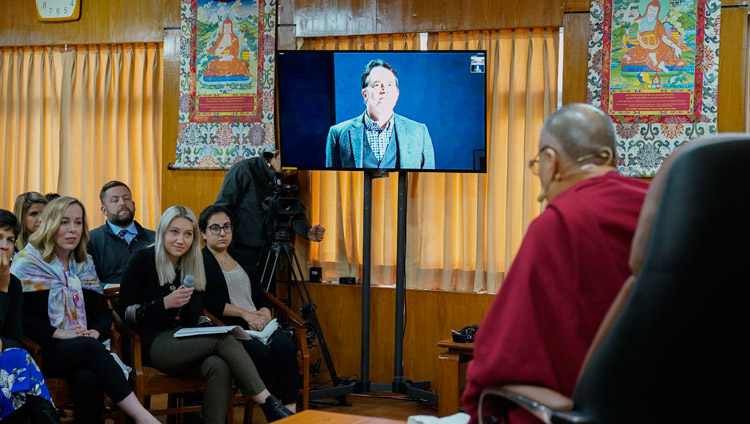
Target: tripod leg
<point x="265" y="269"/>
<point x="288" y="253"/>
<point x="291" y="254"/>
<point x="268" y="274"/>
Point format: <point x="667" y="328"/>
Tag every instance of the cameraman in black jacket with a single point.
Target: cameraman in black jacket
<point x="246" y="186"/>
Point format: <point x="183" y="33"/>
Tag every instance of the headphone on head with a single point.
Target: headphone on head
<point x="604" y="153"/>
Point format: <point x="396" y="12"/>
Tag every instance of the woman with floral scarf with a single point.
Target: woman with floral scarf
<point x="66" y="313"/>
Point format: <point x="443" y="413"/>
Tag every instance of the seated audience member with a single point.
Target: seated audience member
<point x="51" y="196"/>
<point x="25" y="395"/>
<point x="154" y="301"/>
<point x="112" y="243"/>
<point x="234" y="294"/>
<point x="569" y="268"/>
<point x="28" y="209"/>
<point x="65" y="312"/>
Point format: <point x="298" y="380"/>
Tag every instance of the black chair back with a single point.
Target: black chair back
<point x="679" y="349"/>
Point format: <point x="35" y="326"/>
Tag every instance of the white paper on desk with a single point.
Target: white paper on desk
<point x="459" y="418"/>
<point x="264" y="335"/>
<point x="234" y="330"/>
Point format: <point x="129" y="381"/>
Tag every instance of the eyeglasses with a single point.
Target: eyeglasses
<point x="534" y="163"/>
<point x="216" y="229"/>
<point x="378" y="85"/>
<point x="606" y="153"/>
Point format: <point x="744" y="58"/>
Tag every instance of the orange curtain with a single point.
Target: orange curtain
<point x="73" y="118"/>
<point x="463" y="229"/>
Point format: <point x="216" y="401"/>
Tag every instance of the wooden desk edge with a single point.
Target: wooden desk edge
<point x="453" y="346"/>
<point x="312" y="415"/>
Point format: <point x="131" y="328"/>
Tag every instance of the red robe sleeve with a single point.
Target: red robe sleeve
<point x="513" y="343"/>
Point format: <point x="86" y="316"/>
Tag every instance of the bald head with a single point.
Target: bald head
<point x="578" y="129"/>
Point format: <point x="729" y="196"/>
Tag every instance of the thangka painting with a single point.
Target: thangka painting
<point x="226" y="82"/>
<point x="653" y="67"/>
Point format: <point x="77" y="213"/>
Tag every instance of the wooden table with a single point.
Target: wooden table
<point x="314" y="416"/>
<point x="449" y="367"/>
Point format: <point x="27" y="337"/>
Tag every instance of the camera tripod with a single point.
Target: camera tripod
<point x="282" y="249"/>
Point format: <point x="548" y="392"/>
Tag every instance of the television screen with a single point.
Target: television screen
<point x="395" y="110"/>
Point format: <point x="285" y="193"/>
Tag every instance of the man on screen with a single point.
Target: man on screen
<point x="379" y="138"/>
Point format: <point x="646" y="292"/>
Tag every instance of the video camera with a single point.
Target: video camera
<point x="281" y="207"/>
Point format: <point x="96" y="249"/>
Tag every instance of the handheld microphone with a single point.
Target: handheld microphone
<point x="188" y="282"/>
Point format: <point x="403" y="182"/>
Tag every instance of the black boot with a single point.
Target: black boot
<point x="39" y="411"/>
<point x="274" y="410"/>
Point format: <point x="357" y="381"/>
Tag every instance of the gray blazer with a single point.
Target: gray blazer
<point x="344" y="144"/>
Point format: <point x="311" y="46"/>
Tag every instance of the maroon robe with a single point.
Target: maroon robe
<point x="571" y="265"/>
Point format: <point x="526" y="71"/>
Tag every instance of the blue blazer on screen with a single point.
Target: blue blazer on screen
<point x="344" y="145"/>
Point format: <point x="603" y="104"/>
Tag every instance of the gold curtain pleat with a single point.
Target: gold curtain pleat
<point x="462" y="229"/>
<point x="73" y="118"/>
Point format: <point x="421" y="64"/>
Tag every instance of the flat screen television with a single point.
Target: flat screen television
<point x="439" y="118"/>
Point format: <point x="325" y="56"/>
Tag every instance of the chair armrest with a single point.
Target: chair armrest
<point x="138" y="375"/>
<point x="34" y="349"/>
<point x="301" y="326"/>
<point x="213" y="318"/>
<point x="122" y="328"/>
<point x="289" y="314"/>
<point x="542" y="402"/>
<point x="135" y="349"/>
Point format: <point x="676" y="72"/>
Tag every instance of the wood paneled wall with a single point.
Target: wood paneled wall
<point x="732" y="64"/>
<point x="316" y="18"/>
<point x="102" y="21"/>
<point x="430" y="315"/>
<point x="575" y="57"/>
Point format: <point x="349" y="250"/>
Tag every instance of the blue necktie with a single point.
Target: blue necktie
<point x="122" y="235"/>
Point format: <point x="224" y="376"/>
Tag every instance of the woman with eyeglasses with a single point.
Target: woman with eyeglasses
<point x="157" y="303"/>
<point x="234" y="294"/>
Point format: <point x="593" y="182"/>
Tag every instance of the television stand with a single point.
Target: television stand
<point x="415" y="390"/>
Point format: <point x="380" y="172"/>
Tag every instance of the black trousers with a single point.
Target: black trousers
<point x="277" y="365"/>
<point x="91" y="372"/>
<point x="36" y="410"/>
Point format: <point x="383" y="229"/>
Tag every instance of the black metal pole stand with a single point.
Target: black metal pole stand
<point x="363" y="384"/>
<point x="415" y="390"/>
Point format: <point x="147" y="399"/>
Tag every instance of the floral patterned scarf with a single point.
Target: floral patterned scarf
<point x="65" y="306"/>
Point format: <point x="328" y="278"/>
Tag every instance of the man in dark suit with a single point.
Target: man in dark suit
<point x="379" y="138"/>
<point x="111" y="244"/>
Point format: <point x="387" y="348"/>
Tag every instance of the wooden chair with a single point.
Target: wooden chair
<point x="303" y="357"/>
<point x="148" y="381"/>
<point x="60" y="390"/>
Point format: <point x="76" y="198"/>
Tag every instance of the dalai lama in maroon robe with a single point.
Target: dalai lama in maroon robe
<point x="571" y="264"/>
